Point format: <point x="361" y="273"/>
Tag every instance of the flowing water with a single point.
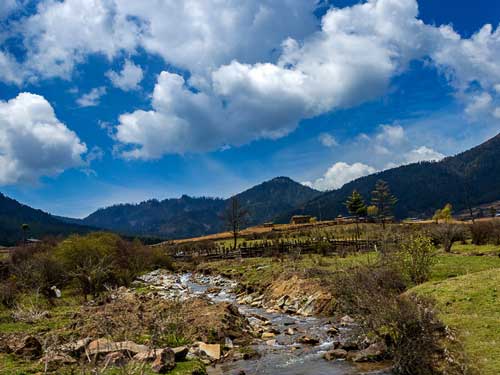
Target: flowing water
<point x="284" y="354"/>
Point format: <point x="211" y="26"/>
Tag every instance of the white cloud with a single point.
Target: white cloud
<point x="339" y="174"/>
<point x="128" y="78"/>
<point x="92" y="98"/>
<point x="33" y="142"/>
<point x="496" y="112"/>
<point x="479" y="104"/>
<point x="391" y="134"/>
<point x="197" y="35"/>
<point x="423" y="153"/>
<point x="327" y="140"/>
<point x="10" y="72"/>
<point x="242" y="86"/>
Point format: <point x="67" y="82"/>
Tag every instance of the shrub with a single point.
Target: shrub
<point x="447" y="234"/>
<point x="417" y="255"/>
<point x="413" y="333"/>
<point x="8" y="293"/>
<point x="416" y="339"/>
<point x="100" y="259"/>
<point x="481" y="232"/>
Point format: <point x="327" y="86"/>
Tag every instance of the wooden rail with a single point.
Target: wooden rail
<point x="330" y="247"/>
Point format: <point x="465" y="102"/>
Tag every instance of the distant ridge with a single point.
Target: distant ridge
<point x="188" y="216"/>
<point x="13" y="214"/>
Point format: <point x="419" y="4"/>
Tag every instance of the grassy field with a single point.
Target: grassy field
<point x="470" y="304"/>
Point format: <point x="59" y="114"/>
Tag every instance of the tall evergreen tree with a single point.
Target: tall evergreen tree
<point x="356" y="206"/>
<point x="384" y="201"/>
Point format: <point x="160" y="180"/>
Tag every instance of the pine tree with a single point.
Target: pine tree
<point x="356" y="206"/>
<point x="384" y="201"/>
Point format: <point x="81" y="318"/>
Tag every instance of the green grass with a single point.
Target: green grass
<point x="471" y="249"/>
<point x="59" y="315"/>
<point x="12" y="365"/>
<point x="451" y="265"/>
<point x="471" y="305"/>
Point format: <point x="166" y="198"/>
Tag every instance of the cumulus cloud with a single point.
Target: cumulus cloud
<point x="242" y="85"/>
<point x="478" y="104"/>
<point x="327" y="140"/>
<point x="92" y="98"/>
<point x="339" y="174"/>
<point x="422" y="153"/>
<point x="391" y="134"/>
<point x="128" y="78"/>
<point x="33" y="142"/>
<point x="196" y="35"/>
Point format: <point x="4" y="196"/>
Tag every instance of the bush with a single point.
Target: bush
<point x="100" y="259"/>
<point x="418" y="255"/>
<point x="483" y="232"/>
<point x="413" y="333"/>
<point x="8" y="293"/>
<point x="415" y="338"/>
<point x="447" y="234"/>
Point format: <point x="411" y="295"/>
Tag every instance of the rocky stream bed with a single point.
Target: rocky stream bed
<point x="287" y="338"/>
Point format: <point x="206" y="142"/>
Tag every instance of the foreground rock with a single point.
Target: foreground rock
<point x="335" y="354"/>
<point x="101" y="346"/>
<point x="375" y="352"/>
<point x="164" y="361"/>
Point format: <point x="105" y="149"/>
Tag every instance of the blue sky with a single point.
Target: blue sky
<point x="105" y="102"/>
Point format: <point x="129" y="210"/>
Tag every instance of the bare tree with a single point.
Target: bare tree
<point x="234" y="217"/>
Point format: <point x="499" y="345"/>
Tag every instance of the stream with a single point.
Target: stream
<point x="280" y="355"/>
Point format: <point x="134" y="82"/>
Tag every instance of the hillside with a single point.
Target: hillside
<point x="470" y="178"/>
<point x="13" y="214"/>
<point x="188" y="217"/>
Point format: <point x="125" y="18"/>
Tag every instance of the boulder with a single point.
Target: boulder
<point x="53" y="361"/>
<point x="375" y="352"/>
<point x="335" y="354"/>
<point x="332" y="331"/>
<point x="103" y="346"/>
<point x="164" y="361"/>
<point x="308" y="340"/>
<point x="268" y="335"/>
<point x="28" y="347"/>
<point x="346" y="320"/>
<point x="211" y="350"/>
<point x="347" y="343"/>
<point x="116" y="359"/>
<point x="77" y="347"/>
<point x="180" y="353"/>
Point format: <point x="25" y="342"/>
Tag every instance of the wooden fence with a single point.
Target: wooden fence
<point x="329" y="247"/>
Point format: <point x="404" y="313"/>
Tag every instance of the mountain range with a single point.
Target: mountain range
<point x="188" y="216"/>
<point x="466" y="180"/>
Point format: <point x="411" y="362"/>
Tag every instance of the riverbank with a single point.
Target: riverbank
<point x="287" y="312"/>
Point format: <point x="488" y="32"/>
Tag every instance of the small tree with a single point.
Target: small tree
<point x="443" y="214"/>
<point x="446" y="234"/>
<point x="372" y="211"/>
<point x="418" y="254"/>
<point x="235" y="217"/>
<point x="384" y="201"/>
<point x="356" y="206"/>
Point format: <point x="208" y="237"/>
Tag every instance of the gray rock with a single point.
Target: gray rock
<point x="375" y="352"/>
<point x="335" y="354"/>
